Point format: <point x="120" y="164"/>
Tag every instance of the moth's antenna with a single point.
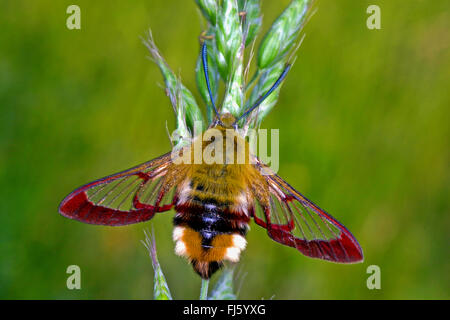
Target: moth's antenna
<point x="264" y="96"/>
<point x="205" y="70"/>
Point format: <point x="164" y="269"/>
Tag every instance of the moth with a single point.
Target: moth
<point x="215" y="202"/>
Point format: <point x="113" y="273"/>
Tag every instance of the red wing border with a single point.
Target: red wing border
<point x="131" y="196"/>
<point x="293" y="220"/>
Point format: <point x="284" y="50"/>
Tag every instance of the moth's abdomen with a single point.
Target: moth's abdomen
<point x="208" y="228"/>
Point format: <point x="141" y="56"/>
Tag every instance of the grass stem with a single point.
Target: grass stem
<point x="204" y="290"/>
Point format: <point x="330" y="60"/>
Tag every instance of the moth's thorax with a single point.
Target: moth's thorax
<point x="227" y="120"/>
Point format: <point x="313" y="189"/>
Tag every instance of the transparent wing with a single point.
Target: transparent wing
<point x="131" y="196"/>
<point x="293" y="220"/>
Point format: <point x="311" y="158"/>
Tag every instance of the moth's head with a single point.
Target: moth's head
<point x="227" y="120"/>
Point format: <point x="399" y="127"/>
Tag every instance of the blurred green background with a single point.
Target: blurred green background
<point x="364" y="132"/>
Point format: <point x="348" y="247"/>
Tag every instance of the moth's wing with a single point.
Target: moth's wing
<point x="293" y="220"/>
<point x="131" y="196"/>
